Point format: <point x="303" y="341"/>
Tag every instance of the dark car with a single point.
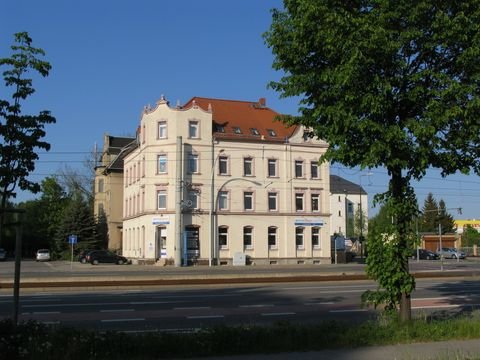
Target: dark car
<point x="103" y="256"/>
<point x="425" y="255"/>
<point x="82" y="256"/>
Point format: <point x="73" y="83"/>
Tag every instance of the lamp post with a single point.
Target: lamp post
<point x="212" y="205"/>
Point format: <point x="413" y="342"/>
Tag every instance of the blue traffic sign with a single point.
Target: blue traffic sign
<point x="72" y="239"/>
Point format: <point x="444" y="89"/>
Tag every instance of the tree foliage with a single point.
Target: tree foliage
<point x="388" y="84"/>
<point x="20" y="134"/>
<point x="433" y="214"/>
<point x="470" y="236"/>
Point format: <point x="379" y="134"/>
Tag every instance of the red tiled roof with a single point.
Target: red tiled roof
<point x="243" y="115"/>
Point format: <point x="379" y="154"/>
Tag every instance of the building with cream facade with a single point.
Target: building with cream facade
<point x="222" y="181"/>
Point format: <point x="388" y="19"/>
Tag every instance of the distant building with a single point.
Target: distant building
<point x="346" y="200"/>
<point x="461" y="225"/>
<point x="109" y="186"/>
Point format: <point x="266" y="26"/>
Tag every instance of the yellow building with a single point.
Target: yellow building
<point x="461" y="225"/>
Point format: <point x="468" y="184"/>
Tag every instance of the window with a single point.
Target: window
<point x="193" y="197"/>
<point x="248" y="200"/>
<point x="193" y="130"/>
<point x="219" y="128"/>
<point x="237" y="130"/>
<point x="100" y="185"/>
<point x="254" y="131"/>
<point x="193" y="164"/>
<point x="271" y="132"/>
<point x="223" y="237"/>
<point x="162" y="199"/>
<point x="272" y="168"/>
<point x="299" y="234"/>
<point x="272" y="237"/>
<point x="162" y="130"/>
<point x="162" y="164"/>
<point x="314" y="169"/>
<point x="316" y="237"/>
<point x="100" y="209"/>
<point x="223" y="165"/>
<point x="248" y="237"/>
<point x="315" y="202"/>
<point x="223" y="200"/>
<point x="298" y="168"/>
<point x="299" y="202"/>
<point x="248" y="166"/>
<point x="272" y="201"/>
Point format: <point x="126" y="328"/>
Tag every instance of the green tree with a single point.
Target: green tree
<point x="387" y="84"/>
<point x="434" y="214"/>
<point x="470" y="236"/>
<point x="20" y="134"/>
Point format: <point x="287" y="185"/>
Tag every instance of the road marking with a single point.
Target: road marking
<point x="122" y="320"/>
<point x="348" y="310"/>
<point x="117" y="310"/>
<point x="436" y="306"/>
<point x="148" y="302"/>
<point x="205" y="317"/>
<point x="319" y="303"/>
<point x="192" y="308"/>
<point x="278" y="314"/>
<point x="256" y="306"/>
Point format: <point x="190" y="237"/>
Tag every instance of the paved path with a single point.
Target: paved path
<point x="445" y="350"/>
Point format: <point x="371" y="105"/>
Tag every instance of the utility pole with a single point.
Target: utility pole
<point x="178" y="203"/>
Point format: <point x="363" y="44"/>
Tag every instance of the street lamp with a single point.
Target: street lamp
<point x="212" y="204"/>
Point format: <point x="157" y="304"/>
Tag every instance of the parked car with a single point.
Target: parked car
<point x="82" y="256"/>
<point x="43" y="255"/>
<point x="3" y="255"/>
<point x="424" y="254"/>
<point x="451" y="253"/>
<point x="96" y="257"/>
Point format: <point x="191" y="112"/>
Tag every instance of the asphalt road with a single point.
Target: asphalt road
<point x="183" y="308"/>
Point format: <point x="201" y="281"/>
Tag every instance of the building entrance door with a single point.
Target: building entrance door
<point x="193" y="244"/>
<point x="161" y="235"/>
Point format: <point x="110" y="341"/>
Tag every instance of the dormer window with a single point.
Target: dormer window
<point x="271" y="133"/>
<point x="219" y="128"/>
<point x="254" y="131"/>
<point x="237" y="130"/>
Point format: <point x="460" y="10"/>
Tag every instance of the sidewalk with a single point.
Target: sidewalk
<point x="444" y="350"/>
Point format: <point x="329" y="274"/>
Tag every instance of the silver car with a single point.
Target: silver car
<point x="451" y="253"/>
<point x="43" y="255"/>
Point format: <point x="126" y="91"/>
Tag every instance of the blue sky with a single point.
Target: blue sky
<point x="110" y="58"/>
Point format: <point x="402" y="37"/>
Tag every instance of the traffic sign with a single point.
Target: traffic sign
<point x="72" y="239"/>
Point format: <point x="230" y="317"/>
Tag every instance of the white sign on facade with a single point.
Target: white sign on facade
<point x="164" y="220"/>
<point x="308" y="222"/>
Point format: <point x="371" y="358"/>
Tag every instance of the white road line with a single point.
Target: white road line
<point x="192" y="308"/>
<point x="319" y="303"/>
<point x="122" y="320"/>
<point x="435" y="306"/>
<point x="278" y="314"/>
<point x="148" y="302"/>
<point x="256" y="306"/>
<point x="206" y="317"/>
<point x="117" y="310"/>
<point x="348" y="310"/>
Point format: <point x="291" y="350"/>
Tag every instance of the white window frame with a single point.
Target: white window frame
<point x="300" y="237"/>
<point x="248" y="235"/>
<point x="193" y="129"/>
<point x="299" y="196"/>
<point x="193" y="163"/>
<point x="248" y="161"/>
<point x="161" y="194"/>
<point x="314" y="168"/>
<point x="316" y="237"/>
<point x="224" y="235"/>
<point x="299" y="164"/>
<point x="222" y="196"/>
<point x="248" y="195"/>
<point x="223" y="160"/>
<point x="273" y="173"/>
<point x="162" y="130"/>
<point x="316" y="197"/>
<point x="272" y="232"/>
<point x="194" y="197"/>
<point x="273" y="196"/>
<point x="164" y="162"/>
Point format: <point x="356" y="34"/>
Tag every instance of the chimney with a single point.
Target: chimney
<point x="262" y="102"/>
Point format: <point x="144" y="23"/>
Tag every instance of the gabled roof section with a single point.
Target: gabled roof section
<point x="243" y="120"/>
<point x="339" y="185"/>
<point x="116" y="143"/>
